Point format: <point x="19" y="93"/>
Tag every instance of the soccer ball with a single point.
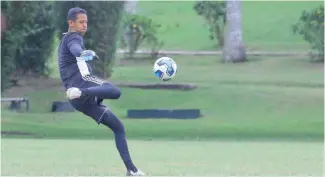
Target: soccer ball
<point x="165" y="68"/>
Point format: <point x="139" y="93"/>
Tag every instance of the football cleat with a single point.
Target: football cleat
<point x="138" y="173"/>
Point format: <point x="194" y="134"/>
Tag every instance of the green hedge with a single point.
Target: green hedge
<point x="27" y="43"/>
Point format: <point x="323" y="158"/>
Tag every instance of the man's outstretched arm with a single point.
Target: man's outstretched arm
<point x="75" y="44"/>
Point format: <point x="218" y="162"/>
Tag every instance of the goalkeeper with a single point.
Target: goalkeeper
<point x="85" y="91"/>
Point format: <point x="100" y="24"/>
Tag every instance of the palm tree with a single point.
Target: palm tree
<point x="234" y="50"/>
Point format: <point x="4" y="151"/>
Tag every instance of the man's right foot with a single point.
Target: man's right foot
<point x="73" y="93"/>
<point x="138" y="173"/>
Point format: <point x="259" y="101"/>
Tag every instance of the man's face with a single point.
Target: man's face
<point x="80" y="24"/>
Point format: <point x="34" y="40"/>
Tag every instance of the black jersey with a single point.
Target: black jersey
<point x="70" y="68"/>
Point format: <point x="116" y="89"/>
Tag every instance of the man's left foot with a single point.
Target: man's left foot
<point x="73" y="93"/>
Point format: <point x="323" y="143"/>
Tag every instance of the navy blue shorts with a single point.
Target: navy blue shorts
<point x="89" y="105"/>
<point x="96" y="111"/>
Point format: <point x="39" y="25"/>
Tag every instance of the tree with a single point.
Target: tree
<point x="234" y="49"/>
<point x="104" y="23"/>
<point x="27" y="42"/>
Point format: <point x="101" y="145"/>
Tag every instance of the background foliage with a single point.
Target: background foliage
<point x="27" y="45"/>
<point x="311" y="27"/>
<point x="214" y="13"/>
<point x="140" y="30"/>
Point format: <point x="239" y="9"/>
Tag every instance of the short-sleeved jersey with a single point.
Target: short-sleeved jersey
<point x="68" y="67"/>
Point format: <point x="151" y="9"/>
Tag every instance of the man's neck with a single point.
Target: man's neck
<point x="71" y="30"/>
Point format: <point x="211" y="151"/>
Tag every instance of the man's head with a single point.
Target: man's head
<point x="77" y="20"/>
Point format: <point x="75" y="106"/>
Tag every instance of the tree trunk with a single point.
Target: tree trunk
<point x="234" y="50"/>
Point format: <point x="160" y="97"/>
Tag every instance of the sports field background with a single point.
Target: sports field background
<point x="262" y="117"/>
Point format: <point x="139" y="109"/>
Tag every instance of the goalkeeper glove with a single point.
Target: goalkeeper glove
<point x="88" y="55"/>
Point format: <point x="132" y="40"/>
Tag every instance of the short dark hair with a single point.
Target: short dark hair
<point x="73" y="12"/>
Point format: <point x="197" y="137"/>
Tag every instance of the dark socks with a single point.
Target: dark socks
<point x="105" y="91"/>
<point x="122" y="147"/>
<point x="130" y="166"/>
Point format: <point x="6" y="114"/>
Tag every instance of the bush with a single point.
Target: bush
<point x="139" y="30"/>
<point x="104" y="22"/>
<point x="311" y="27"/>
<point x="27" y="42"/>
<point x="214" y="12"/>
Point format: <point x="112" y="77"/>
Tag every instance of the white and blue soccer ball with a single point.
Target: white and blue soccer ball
<point x="165" y="68"/>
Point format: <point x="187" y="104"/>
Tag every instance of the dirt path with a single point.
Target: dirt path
<point x="248" y="52"/>
<point x="32" y="84"/>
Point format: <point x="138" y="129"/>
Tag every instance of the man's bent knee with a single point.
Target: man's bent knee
<point x="115" y="93"/>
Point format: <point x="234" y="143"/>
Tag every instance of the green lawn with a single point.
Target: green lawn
<point x="270" y="98"/>
<point x="160" y="158"/>
<point x="266" y="24"/>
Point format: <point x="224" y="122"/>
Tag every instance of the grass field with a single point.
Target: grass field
<point x="266" y="24"/>
<point x="161" y="158"/>
<point x="270" y="98"/>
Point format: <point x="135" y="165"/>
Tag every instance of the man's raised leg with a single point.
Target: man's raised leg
<point x="104" y="91"/>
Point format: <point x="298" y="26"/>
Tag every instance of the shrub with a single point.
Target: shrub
<point x="140" y="30"/>
<point x="311" y="27"/>
<point x="214" y="12"/>
<point x="27" y="42"/>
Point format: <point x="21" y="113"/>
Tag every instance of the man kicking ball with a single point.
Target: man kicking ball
<point x="85" y="91"/>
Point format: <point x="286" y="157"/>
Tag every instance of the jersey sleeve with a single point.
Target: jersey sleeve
<point x="75" y="43"/>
